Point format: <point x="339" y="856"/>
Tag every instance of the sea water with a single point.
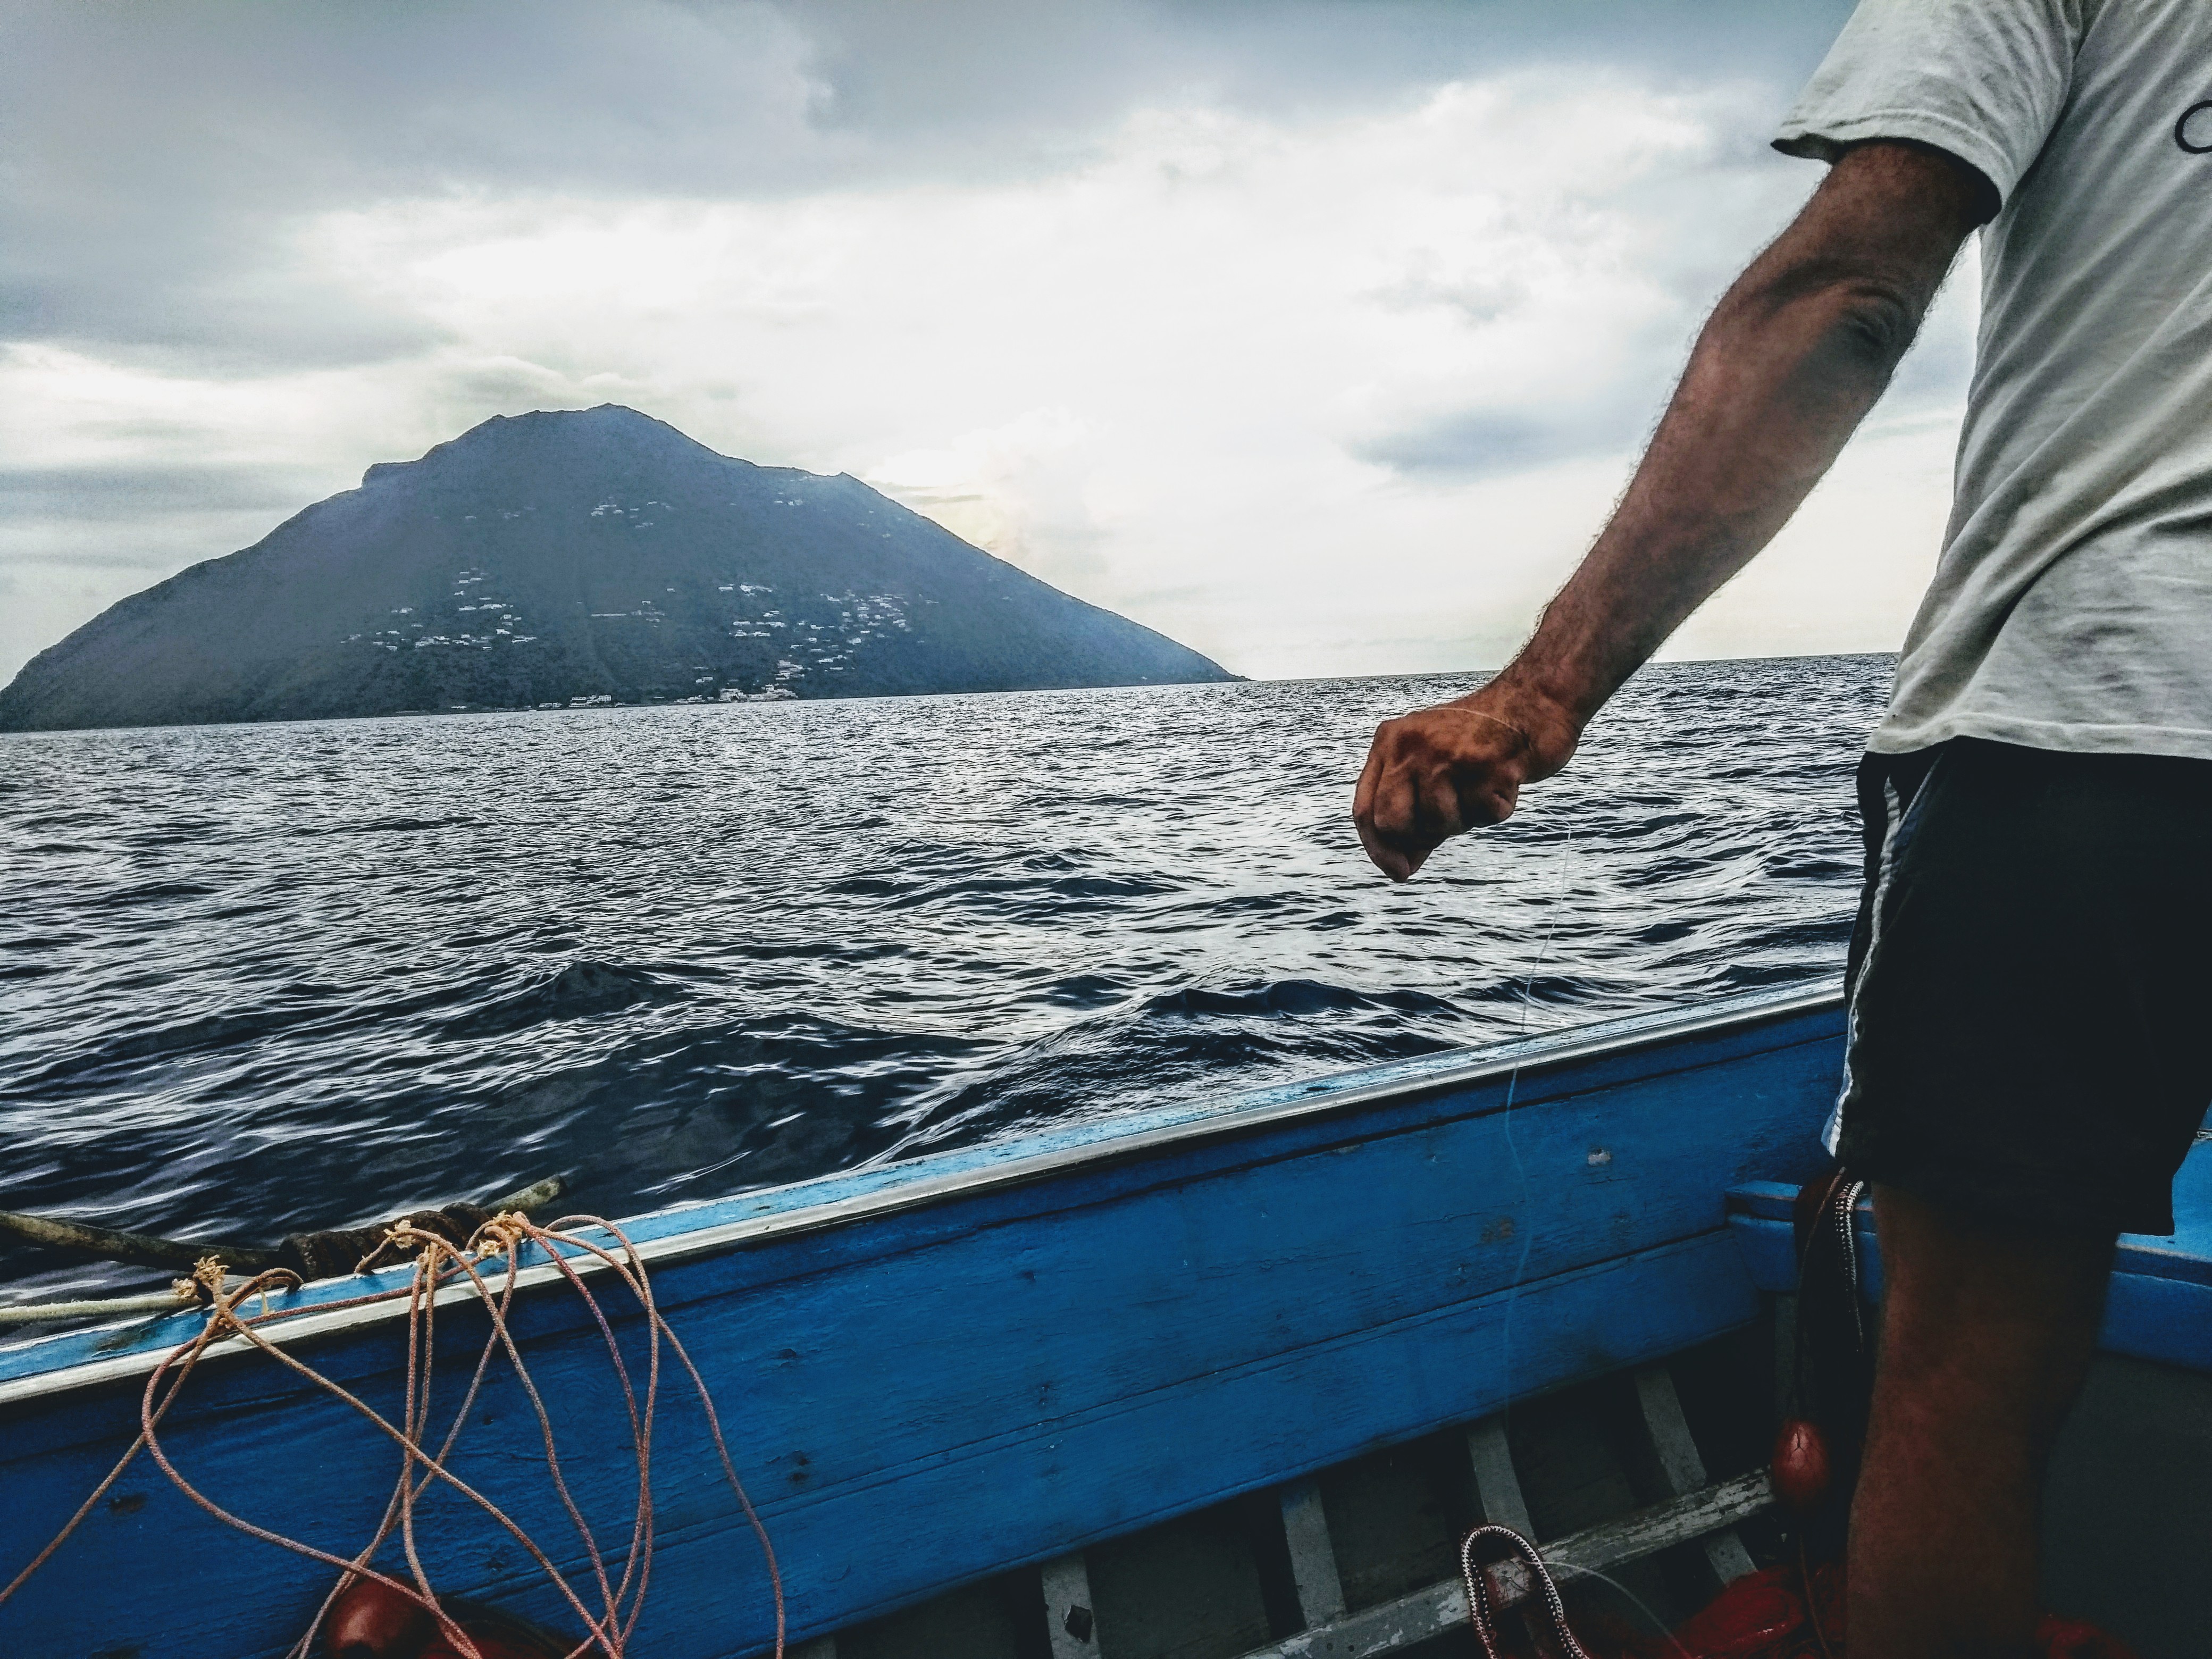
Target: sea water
<point x="257" y="979"/>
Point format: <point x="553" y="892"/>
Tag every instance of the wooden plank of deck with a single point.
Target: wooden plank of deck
<point x="1497" y="1484"/>
<point x="1071" y="1615"/>
<point x="1439" y="1607"/>
<point x="1682" y="1466"/>
<point x="1313" y="1555"/>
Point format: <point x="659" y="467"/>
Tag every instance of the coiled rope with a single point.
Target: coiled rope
<point x="438" y="1264"/>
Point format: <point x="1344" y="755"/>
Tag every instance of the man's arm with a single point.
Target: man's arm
<point x="1788" y="364"/>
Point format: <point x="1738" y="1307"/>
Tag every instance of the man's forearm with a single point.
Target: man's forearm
<point x="1790" y="364"/>
<point x="1771" y="396"/>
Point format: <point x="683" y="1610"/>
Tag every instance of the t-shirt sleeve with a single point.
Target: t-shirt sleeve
<point x="1983" y="79"/>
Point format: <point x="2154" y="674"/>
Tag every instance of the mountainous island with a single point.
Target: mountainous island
<point x="557" y="560"/>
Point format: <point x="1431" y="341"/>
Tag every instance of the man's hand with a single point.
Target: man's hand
<point x="1437" y="771"/>
<point x="1794" y="355"/>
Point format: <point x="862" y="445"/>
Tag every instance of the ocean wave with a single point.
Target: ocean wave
<point x="1300" y="998"/>
<point x="151" y="1045"/>
<point x="382" y="826"/>
<point x="150" y="892"/>
<point x="575" y="990"/>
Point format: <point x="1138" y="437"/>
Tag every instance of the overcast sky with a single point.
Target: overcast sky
<point x="1320" y="335"/>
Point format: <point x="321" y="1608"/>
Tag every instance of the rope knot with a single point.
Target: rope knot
<point x="404" y="1236"/>
<point x="424" y="1230"/>
<point x="502" y="1235"/>
<point x="206" y="1282"/>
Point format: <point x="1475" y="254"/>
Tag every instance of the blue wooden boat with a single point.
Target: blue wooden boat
<point x="1226" y="1379"/>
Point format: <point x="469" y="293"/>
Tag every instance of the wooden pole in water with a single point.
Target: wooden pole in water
<point x="145" y="1250"/>
<point x="535" y="1197"/>
<point x="142" y="1248"/>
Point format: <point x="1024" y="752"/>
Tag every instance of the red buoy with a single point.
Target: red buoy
<point x="374" y="1621"/>
<point x="1801" y="1470"/>
<point x="371" y="1621"/>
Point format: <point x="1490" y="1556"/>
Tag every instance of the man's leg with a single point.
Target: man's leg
<point x="1986" y="1336"/>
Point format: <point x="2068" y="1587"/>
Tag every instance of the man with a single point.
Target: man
<point x="2030" y="1050"/>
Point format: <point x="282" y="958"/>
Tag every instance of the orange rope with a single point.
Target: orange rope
<point x="1812" y="1597"/>
<point x="438" y="1265"/>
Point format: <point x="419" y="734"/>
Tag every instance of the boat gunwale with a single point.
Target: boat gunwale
<point x="1314" y="1100"/>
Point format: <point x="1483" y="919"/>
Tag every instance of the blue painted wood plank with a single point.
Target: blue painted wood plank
<point x="1770" y="1254"/>
<point x="2163" y="1319"/>
<point x="933" y="1393"/>
<point x="2160" y="1303"/>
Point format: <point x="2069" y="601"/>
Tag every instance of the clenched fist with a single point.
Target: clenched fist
<point x="1435" y="772"/>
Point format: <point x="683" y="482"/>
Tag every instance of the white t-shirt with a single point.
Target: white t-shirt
<point x="2072" y="607"/>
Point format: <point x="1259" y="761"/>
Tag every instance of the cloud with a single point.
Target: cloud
<point x="1022" y="489"/>
<point x="1319" y="334"/>
<point x="180" y="149"/>
<point x="108" y="492"/>
<point x="1483" y="443"/>
<point x="166" y="155"/>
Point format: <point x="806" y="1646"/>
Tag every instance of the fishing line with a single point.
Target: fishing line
<point x="1529" y="1231"/>
<point x="1643" y="1606"/>
<point x="1512" y="1089"/>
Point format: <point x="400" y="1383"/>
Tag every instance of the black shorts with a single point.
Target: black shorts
<point x="2030" y="982"/>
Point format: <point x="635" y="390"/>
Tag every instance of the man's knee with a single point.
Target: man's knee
<point x="1986" y="1322"/>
